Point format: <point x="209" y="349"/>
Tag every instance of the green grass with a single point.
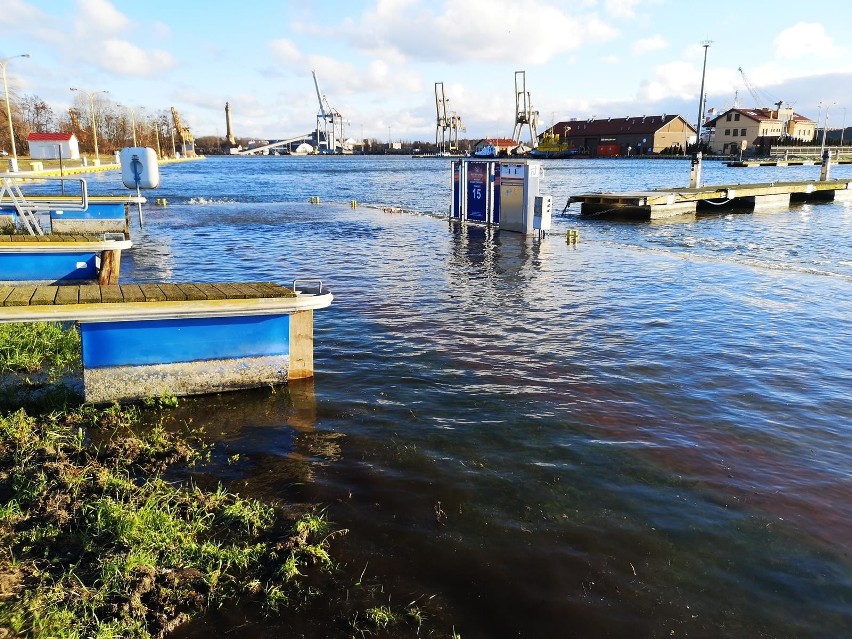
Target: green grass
<point x="95" y="541"/>
<point x="34" y="346"/>
<point x="98" y="544"/>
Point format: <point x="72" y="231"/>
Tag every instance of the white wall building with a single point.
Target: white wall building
<point x="47" y="146"/>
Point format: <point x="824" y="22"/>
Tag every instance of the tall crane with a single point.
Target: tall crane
<point x="761" y="98"/>
<point x="524" y="113"/>
<point x="442" y="123"/>
<point x="455" y="126"/>
<point x="329" y="124"/>
<point x="186" y="137"/>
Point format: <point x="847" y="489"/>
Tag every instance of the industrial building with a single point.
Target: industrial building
<point x="611" y="137"/>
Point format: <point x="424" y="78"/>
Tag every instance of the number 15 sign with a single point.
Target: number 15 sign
<point x="477" y="185"/>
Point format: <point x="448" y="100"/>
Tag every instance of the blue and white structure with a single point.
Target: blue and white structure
<point x="49" y="259"/>
<point x="164" y="345"/>
<point x="501" y="192"/>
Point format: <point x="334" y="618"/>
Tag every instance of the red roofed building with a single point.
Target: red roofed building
<point x="492" y="147"/>
<point x="609" y="137"/>
<point x="757" y="129"/>
<point x="53" y="146"/>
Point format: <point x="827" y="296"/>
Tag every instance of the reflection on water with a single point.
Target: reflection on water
<point x="645" y="434"/>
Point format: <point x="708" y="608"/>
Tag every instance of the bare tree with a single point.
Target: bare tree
<point x="36" y="114"/>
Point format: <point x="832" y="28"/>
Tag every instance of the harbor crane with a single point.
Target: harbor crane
<point x="329" y="124"/>
<point x="186" y="138"/>
<point x="442" y="124"/>
<point x="455" y="126"/>
<point x="761" y="98"/>
<point x="448" y="123"/>
<point x="524" y="113"/>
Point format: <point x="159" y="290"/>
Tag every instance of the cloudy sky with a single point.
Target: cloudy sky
<point x="378" y="60"/>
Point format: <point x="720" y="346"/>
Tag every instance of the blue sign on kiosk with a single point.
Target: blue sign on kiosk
<point x="477" y="191"/>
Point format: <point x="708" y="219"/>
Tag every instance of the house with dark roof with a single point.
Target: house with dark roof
<point x="757" y="129"/>
<point x="610" y="137"/>
<point x="53" y="146"/>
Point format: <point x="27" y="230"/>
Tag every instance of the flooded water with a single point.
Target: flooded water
<point x="643" y="435"/>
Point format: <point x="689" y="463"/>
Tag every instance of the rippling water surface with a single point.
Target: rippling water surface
<point x="644" y="435"/>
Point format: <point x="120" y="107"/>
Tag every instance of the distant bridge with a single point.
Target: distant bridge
<point x="275" y="145"/>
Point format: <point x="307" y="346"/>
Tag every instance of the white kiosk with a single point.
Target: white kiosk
<point x="502" y="192"/>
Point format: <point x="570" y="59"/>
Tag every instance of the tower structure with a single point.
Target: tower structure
<point x="230" y="135"/>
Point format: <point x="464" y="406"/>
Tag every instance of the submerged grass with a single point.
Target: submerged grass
<point x="95" y="541"/>
<point x="34" y="346"/>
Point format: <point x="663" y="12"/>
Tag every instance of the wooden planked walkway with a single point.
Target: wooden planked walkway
<point x="123" y="293"/>
<point x="50" y="237"/>
<point x="662" y="203"/>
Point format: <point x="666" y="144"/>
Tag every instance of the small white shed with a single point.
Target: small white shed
<point x="47" y="146"/>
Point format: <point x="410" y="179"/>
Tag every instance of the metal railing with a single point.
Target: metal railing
<point x="26" y="208"/>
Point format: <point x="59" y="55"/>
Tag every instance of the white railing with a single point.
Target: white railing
<point x="26" y="207"/>
<point x="808" y="151"/>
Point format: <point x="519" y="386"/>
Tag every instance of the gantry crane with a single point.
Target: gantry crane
<point x="455" y="126"/>
<point x="186" y="137"/>
<point x="329" y="124"/>
<point x="447" y="122"/>
<point x="442" y="123"/>
<point x="524" y="113"/>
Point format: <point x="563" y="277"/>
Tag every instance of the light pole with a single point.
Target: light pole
<point x="132" y="112"/>
<point x="91" y="97"/>
<point x="825" y="127"/>
<point x="156" y="126"/>
<point x="3" y="63"/>
<point x="706" y="44"/>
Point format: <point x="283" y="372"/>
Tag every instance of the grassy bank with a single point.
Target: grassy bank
<point x="99" y="539"/>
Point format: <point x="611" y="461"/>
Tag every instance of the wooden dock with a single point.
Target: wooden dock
<point x="61" y="258"/>
<point x="800" y="162"/>
<point x="146" y="340"/>
<point x="663" y="203"/>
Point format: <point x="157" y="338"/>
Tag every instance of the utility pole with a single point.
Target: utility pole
<point x="706" y="44"/>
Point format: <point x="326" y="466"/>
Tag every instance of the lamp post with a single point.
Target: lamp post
<point x="156" y="126"/>
<point x="132" y="112"/>
<point x="90" y="95"/>
<point x="825" y="127"/>
<point x="706" y="44"/>
<point x="3" y="63"/>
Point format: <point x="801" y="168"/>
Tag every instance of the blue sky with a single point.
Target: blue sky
<point x="377" y="60"/>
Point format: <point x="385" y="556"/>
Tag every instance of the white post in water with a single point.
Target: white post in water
<point x="695" y="171"/>
<point x="826" y="166"/>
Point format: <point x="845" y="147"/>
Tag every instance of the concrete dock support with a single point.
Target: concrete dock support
<point x="769" y="202"/>
<point x="638" y="212"/>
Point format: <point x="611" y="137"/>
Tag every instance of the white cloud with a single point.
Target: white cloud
<point x="339" y="77"/>
<point x="646" y="45"/>
<point x="285" y="51"/>
<point x="125" y="58"/>
<point x="621" y="8"/>
<point x="532" y="32"/>
<point x="19" y="13"/>
<point x="675" y="79"/>
<point x="806" y="39"/>
<point x="611" y="59"/>
<point x="99" y="17"/>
